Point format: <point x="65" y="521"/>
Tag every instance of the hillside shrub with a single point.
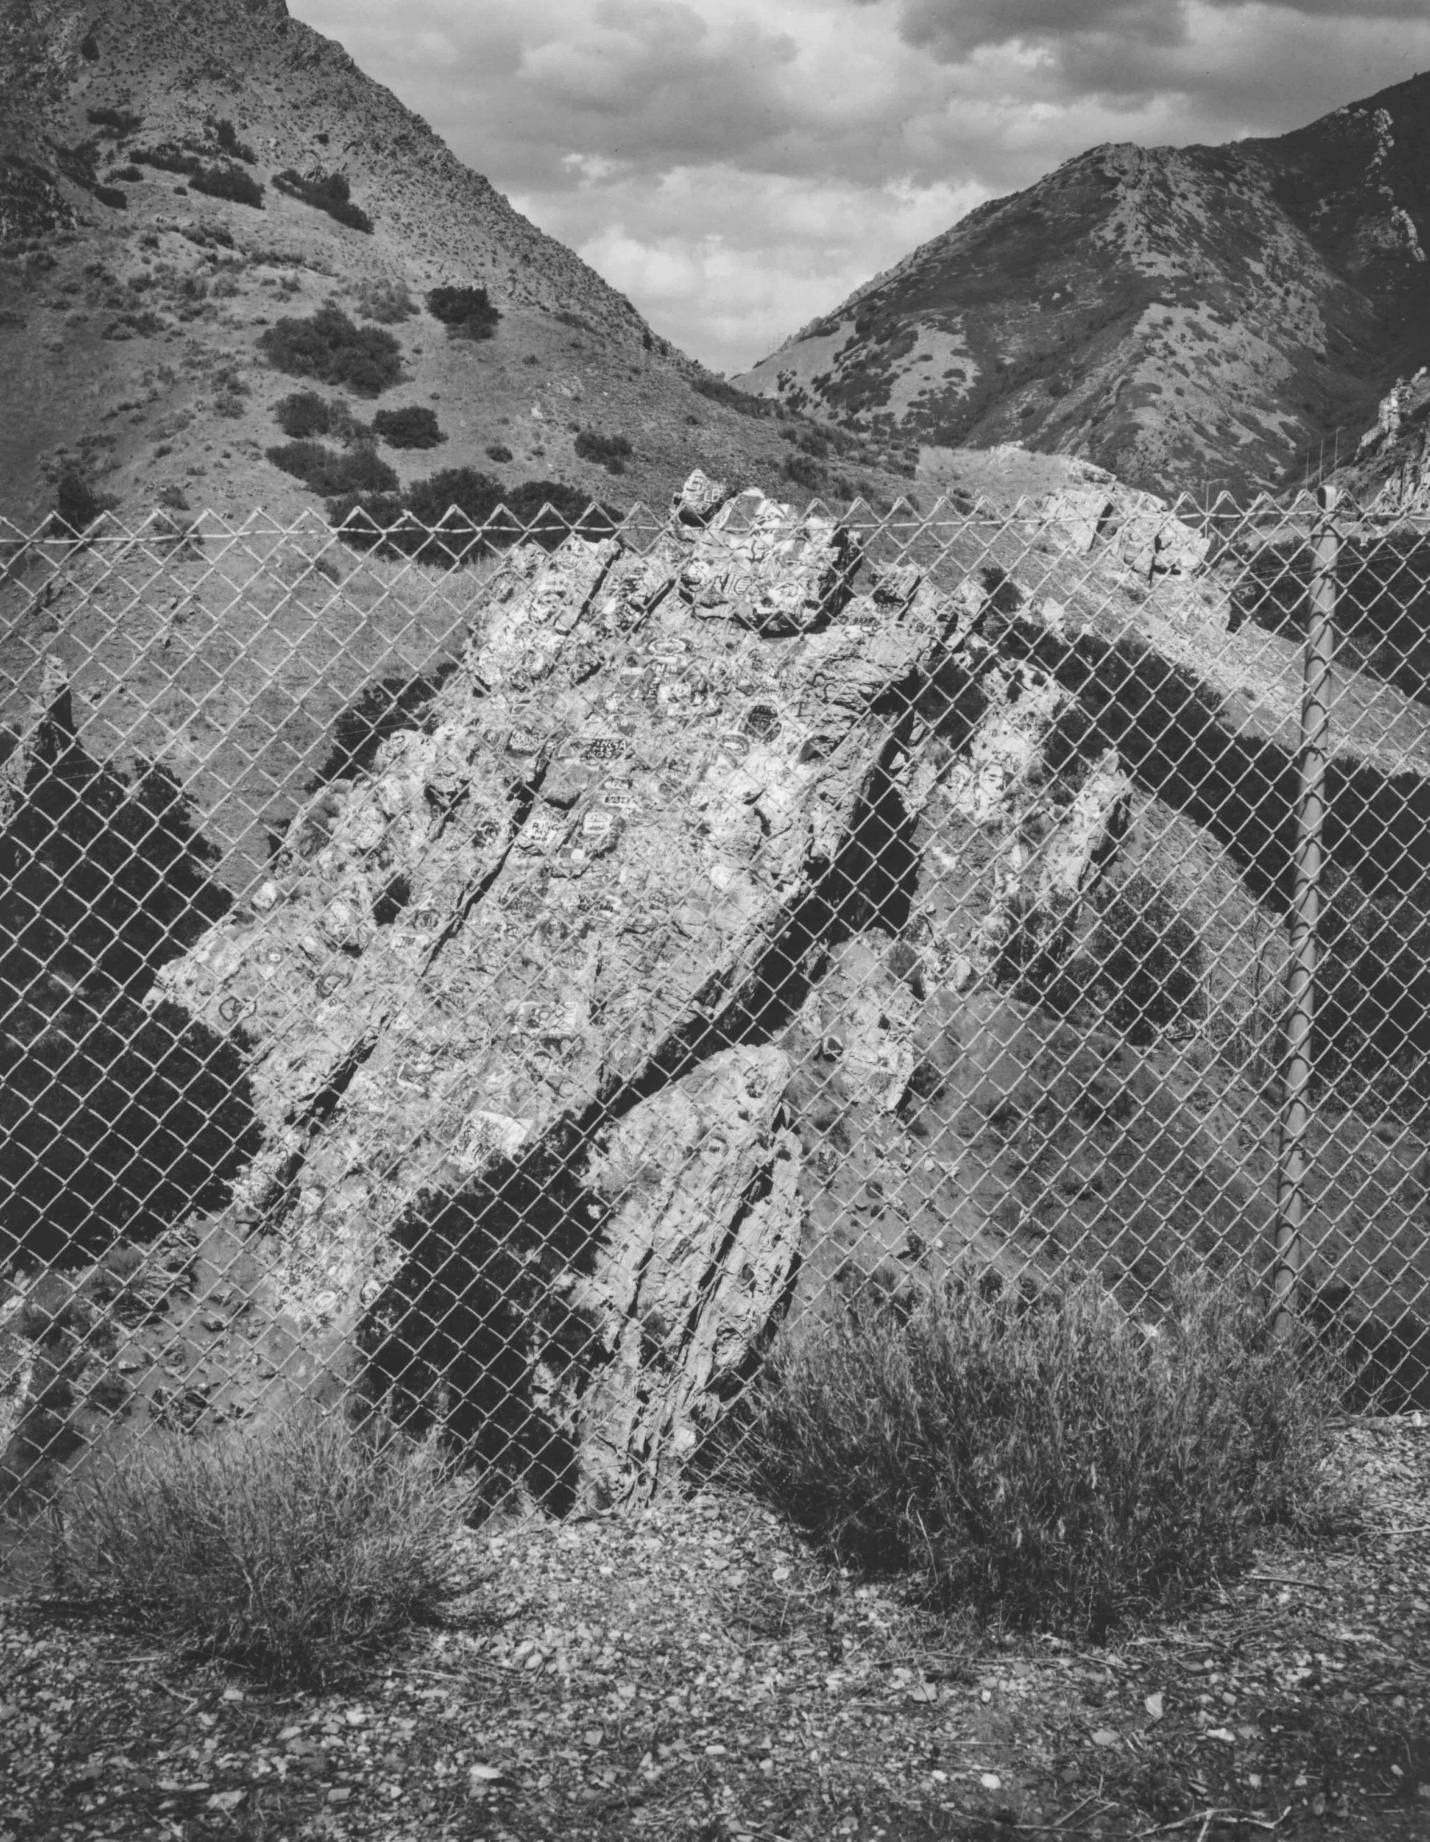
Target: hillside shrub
<point x="167" y="158"/>
<point x="740" y="401"/>
<point x="327" y="192"/>
<point x="467" y="313"/>
<point x="303" y="414"/>
<point x="412" y="427"/>
<point x="78" y="502"/>
<point x="296" y="1548"/>
<point x="499" y="452"/>
<point x="112" y="196"/>
<point x="803" y="470"/>
<point x="611" y="451"/>
<point x="1047" y="1462"/>
<point x="460" y="514"/>
<point x="387" y="302"/>
<point x="227" y="137"/>
<point x="328" y="347"/>
<point x="130" y="175"/>
<point x="229" y="182"/>
<point x="323" y="470"/>
<point x="120" y="120"/>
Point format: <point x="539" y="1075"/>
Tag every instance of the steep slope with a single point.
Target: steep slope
<point x="132" y="300"/>
<point x="1176" y="315"/>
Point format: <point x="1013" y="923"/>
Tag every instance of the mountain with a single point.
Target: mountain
<point x="1176" y="315"/>
<point x="177" y="176"/>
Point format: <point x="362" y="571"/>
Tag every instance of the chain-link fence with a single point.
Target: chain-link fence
<point x="511" y="972"/>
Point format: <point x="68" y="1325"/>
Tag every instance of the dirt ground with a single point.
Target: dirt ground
<point x="695" y="1671"/>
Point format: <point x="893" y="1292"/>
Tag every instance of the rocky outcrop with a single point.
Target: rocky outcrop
<point x="1138" y="528"/>
<point x="545" y="938"/>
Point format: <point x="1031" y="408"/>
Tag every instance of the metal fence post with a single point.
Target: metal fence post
<point x="1305" y="914"/>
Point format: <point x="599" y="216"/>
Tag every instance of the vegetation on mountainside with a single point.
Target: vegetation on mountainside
<point x="324" y="470"/>
<point x="327" y="192"/>
<point x="414" y="426"/>
<point x="329" y="348"/>
<point x="611" y="451"/>
<point x="467" y="313"/>
<point x="460" y="514"/>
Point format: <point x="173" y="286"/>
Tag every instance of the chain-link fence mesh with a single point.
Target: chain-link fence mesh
<point x="510" y="972"/>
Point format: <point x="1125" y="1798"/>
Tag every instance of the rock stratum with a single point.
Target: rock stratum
<point x="1180" y="316"/>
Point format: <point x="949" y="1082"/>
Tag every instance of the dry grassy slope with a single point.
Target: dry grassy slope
<point x="1173" y="314"/>
<point x="142" y="405"/>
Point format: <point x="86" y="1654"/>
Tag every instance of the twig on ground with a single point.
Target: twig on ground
<point x="1227" y="1813"/>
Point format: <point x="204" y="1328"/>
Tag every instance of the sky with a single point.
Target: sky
<point x="737" y="167"/>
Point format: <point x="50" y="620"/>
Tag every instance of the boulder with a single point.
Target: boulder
<point x="576" y="878"/>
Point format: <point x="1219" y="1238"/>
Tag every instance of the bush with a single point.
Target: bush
<point x="610" y="450"/>
<point x="120" y="120"/>
<point x="413" y="427"/>
<point x="295" y="1549"/>
<point x="329" y="192"/>
<point x="1049" y="1463"/>
<point x="802" y="469"/>
<point x="323" y="471"/>
<point x="168" y="158"/>
<point x="455" y="516"/>
<point x="739" y="400"/>
<point x="112" y="196"/>
<point x="77" y="501"/>
<point x="328" y="347"/>
<point x="498" y="452"/>
<point x="227" y="137"/>
<point x="467" y="313"/>
<point x="229" y="182"/>
<point x="385" y="301"/>
<point x="303" y="414"/>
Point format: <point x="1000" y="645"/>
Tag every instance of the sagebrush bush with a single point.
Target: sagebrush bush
<point x="388" y="302"/>
<point x="467" y="313"/>
<point x="303" y="414"/>
<point x="323" y="470"/>
<point x="230" y="182"/>
<point x="326" y="192"/>
<point x="413" y="427"/>
<point x="329" y="348"/>
<point x="227" y="137"/>
<point x="294" y="1548"/>
<point x="1050" y="1463"/>
<point x="611" y="451"/>
<point x="460" y="514"/>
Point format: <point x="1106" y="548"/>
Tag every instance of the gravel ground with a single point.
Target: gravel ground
<point x="696" y="1671"/>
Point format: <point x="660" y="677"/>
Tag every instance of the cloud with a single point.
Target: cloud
<point x="738" y="166"/>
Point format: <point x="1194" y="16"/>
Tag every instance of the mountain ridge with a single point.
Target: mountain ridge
<point x="1176" y="315"/>
<point x="134" y="295"/>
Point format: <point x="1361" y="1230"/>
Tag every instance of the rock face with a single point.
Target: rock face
<point x="543" y="948"/>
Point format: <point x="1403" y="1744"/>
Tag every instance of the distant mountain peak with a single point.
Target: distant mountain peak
<point x="1175" y="314"/>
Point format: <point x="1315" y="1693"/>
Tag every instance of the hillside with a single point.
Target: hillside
<point x="1176" y="315"/>
<point x="132" y="301"/>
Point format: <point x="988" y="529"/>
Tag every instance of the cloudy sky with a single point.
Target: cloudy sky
<point x="737" y="166"/>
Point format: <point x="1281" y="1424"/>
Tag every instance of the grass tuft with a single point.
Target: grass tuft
<point x="1051" y="1464"/>
<point x="295" y="1549"/>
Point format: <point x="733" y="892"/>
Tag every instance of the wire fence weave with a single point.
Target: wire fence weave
<point x="511" y="971"/>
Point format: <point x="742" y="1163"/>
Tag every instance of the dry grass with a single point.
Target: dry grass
<point x="1050" y="1464"/>
<point x="294" y="1547"/>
